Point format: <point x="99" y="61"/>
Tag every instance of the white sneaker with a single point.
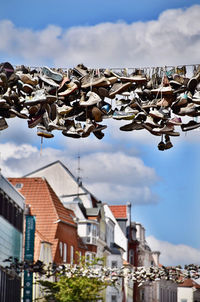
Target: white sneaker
<point x="92" y="100"/>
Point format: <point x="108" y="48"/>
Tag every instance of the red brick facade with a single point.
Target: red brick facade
<point x="53" y="220"/>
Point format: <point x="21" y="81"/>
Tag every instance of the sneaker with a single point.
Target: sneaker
<point x="34" y="121"/>
<point x="27" y="88"/>
<point x="134" y="78"/>
<point x="41" y="131"/>
<point x="161" y="146"/>
<point x="167" y="129"/>
<point x="150" y="122"/>
<point x="7" y="68"/>
<point x="80" y="70"/>
<point x="79" y="128"/>
<point x="64" y="109"/>
<point x="163" y="90"/>
<point x="99" y="127"/>
<point x="149" y="104"/>
<point x="176" y="121"/>
<point x="189" y="109"/>
<point x="123" y="115"/>
<point x="52" y="74"/>
<point x="92" y="100"/>
<point x="52" y="125"/>
<point x="98" y="134"/>
<point x="156" y="113"/>
<point x="192" y="84"/>
<point x="71" y="131"/>
<point x="14" y="112"/>
<point x="48" y="81"/>
<point x="28" y="79"/>
<point x="151" y="130"/>
<point x="179" y="80"/>
<point x="190" y="126"/>
<point x="3" y="124"/>
<point x="90" y="81"/>
<point x="168" y="144"/>
<point x="3" y="80"/>
<point x="132" y="126"/>
<point x="89" y="127"/>
<point x="102" y="92"/>
<point x="117" y="88"/>
<point x="196" y="98"/>
<point x="97" y="114"/>
<point x="71" y="87"/>
<point x="39" y="97"/>
<point x="164" y="102"/>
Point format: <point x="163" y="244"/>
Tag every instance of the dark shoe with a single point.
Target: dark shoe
<point x="161" y="146"/>
<point x="190" y="126"/>
<point x="6" y="68"/>
<point x="132" y="126"/>
<point x="99" y="134"/>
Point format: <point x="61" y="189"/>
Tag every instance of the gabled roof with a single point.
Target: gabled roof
<point x="93" y="198"/>
<point x="189" y="283"/>
<point x="119" y="211"/>
<point x="45" y="205"/>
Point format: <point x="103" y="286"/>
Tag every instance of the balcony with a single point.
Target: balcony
<point x="90" y="240"/>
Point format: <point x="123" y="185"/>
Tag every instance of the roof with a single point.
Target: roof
<point x="189" y="283"/>
<point x="119" y="211"/>
<point x="93" y="198"/>
<point x="45" y="205"/>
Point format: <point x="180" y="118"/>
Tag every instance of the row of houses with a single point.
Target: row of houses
<point x="71" y="221"/>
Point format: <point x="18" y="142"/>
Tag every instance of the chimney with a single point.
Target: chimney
<point x="156" y="255"/>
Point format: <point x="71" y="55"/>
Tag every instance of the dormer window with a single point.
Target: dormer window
<point x="18" y="185"/>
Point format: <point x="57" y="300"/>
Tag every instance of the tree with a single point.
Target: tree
<point x="82" y="283"/>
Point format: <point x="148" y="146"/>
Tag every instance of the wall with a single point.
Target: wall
<point x="185" y="293"/>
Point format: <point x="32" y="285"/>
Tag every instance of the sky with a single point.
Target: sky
<point x="163" y="187"/>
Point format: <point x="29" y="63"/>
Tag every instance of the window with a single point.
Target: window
<point x="18" y="185"/>
<point x="94" y="230"/>
<point x="113" y="264"/>
<point x="113" y="298"/>
<point x="65" y="252"/>
<point x="131" y="256"/>
<point x="88" y="228"/>
<point x="61" y="249"/>
<point x="72" y="255"/>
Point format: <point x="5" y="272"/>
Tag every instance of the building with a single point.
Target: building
<point x="54" y="222"/>
<point x="94" y="226"/>
<point x="188" y="291"/>
<point x="87" y="208"/>
<point x="11" y="240"/>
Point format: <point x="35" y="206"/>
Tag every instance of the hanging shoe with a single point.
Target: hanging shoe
<point x="52" y="74"/>
<point x="161" y="146"/>
<point x="168" y="144"/>
<point x="42" y="131"/>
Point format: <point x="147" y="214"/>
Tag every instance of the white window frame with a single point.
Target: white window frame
<point x="65" y="252"/>
<point x="71" y="254"/>
<point x="61" y="248"/>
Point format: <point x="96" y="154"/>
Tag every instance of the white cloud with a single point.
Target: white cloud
<point x="174" y="254"/>
<point x="111" y="176"/>
<point x="174" y="38"/>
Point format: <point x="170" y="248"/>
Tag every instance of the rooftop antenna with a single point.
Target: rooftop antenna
<point x="79" y="181"/>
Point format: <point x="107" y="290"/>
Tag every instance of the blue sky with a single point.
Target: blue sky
<point x="162" y="186"/>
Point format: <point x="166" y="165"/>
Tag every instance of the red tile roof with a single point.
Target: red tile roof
<point x="189" y="283"/>
<point x="119" y="211"/>
<point x="45" y="205"/>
